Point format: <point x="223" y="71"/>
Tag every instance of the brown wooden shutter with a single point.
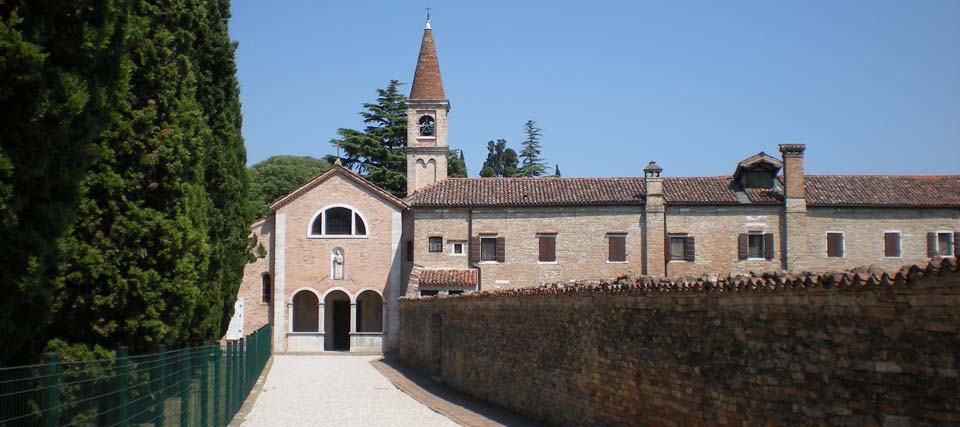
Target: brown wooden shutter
<point x="617" y="248"/>
<point x="891" y="243"/>
<point x="835" y="245"/>
<point x="666" y="248"/>
<point x="956" y="244"/>
<point x="689" y="249"/>
<point x="501" y="249"/>
<point x="548" y="249"/>
<point x="474" y="249"/>
<point x="768" y="250"/>
<point x="931" y="244"/>
<point x="742" y="247"/>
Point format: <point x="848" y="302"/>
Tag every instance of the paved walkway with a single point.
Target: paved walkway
<point x="334" y="390"/>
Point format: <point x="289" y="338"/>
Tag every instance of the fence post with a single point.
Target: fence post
<point x="217" y="364"/>
<point x="228" y="390"/>
<point x="243" y="372"/>
<point x="123" y="369"/>
<point x="161" y="409"/>
<point x="204" y="385"/>
<point x="50" y="412"/>
<point x="185" y="387"/>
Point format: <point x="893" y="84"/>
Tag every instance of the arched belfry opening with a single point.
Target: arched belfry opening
<point x="337" y="321"/>
<point x="369" y="312"/>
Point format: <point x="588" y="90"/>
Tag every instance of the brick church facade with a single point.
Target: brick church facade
<point x="340" y="251"/>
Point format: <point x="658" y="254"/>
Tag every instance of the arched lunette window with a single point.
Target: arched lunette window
<point x="428" y="126"/>
<point x="336" y="221"/>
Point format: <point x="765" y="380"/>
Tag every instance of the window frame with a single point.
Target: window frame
<point x="949" y="246"/>
<point x="420" y="125"/>
<point x="681" y="236"/>
<point x="483" y="260"/>
<point x="438" y="248"/>
<point x="453" y="244"/>
<point x="899" y="244"/>
<point x="539" y="254"/>
<point x="354" y="215"/>
<point x="266" y="279"/>
<point x="617" y="235"/>
<point x="826" y="244"/>
<point x="763" y="244"/>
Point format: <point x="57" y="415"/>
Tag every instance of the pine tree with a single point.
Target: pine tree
<point x="456" y="166"/>
<point x="377" y="152"/>
<point x="532" y="165"/>
<point x="58" y="72"/>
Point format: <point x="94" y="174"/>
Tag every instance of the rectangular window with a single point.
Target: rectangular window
<point x="834" y="244"/>
<point x="617" y="250"/>
<point x="457" y="248"/>
<point x="891" y="244"/>
<point x="678" y="247"/>
<point x="488" y="249"/>
<point x="548" y="248"/>
<point x="759" y="179"/>
<point x="410" y="250"/>
<point x="755" y="246"/>
<point x="266" y="289"/>
<point x="435" y="244"/>
<point x="944" y="244"/>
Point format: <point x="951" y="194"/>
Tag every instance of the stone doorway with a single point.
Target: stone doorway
<point x="337" y="323"/>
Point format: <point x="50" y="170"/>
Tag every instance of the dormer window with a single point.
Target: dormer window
<point x="759" y="179"/>
<point x="427" y="126"/>
<point x="757" y="171"/>
<point x="338" y="221"/>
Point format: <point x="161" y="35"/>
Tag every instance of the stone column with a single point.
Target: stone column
<point x="793" y="244"/>
<point x="655" y="226"/>
<point x="290" y="316"/>
<point x="353" y="318"/>
<point x="323" y="319"/>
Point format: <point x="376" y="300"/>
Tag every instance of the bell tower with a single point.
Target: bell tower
<point x="427" y="110"/>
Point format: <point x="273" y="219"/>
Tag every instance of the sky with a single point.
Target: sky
<point x="871" y="87"/>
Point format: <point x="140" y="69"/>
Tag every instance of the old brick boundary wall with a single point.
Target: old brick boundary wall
<point x="846" y="350"/>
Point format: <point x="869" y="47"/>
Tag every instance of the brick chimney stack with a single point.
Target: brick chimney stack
<point x="795" y="207"/>
<point x="654" y="222"/>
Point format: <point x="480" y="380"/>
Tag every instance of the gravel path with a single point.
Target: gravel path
<point x="322" y="390"/>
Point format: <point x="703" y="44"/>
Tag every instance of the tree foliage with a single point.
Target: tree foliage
<point x="59" y="73"/>
<point x="501" y="161"/>
<point x="456" y="166"/>
<point x="275" y="177"/>
<point x="532" y="164"/>
<point x="377" y="152"/>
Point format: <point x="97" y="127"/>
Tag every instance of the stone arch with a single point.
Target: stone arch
<point x="306" y="311"/>
<point x="369" y="310"/>
<point x="337" y="307"/>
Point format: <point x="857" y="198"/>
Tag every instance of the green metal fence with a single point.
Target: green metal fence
<point x="198" y="386"/>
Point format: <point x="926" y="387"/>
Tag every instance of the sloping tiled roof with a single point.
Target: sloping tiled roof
<point x="529" y="192"/>
<point x="336" y="169"/>
<point x="822" y="190"/>
<point x="448" y="277"/>
<point x="883" y="190"/>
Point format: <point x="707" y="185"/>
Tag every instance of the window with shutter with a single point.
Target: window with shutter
<point x="488" y="249"/>
<point x="755" y="246"/>
<point x="891" y="244"/>
<point x="501" y="250"/>
<point x="617" y="251"/>
<point x="474" y="249"/>
<point x="945" y="244"/>
<point x="768" y="249"/>
<point x="743" y="245"/>
<point x="834" y="244"/>
<point x="548" y="248"/>
<point x="690" y="249"/>
<point x="677" y="247"/>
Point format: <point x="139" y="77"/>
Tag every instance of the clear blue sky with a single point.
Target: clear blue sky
<point x="869" y="86"/>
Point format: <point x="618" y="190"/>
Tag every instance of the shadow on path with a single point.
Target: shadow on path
<point x="459" y="407"/>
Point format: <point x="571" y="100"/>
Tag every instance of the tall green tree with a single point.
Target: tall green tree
<point x="501" y="161"/>
<point x="532" y="164"/>
<point x="279" y="175"/>
<point x="556" y="170"/>
<point x="377" y="152"/>
<point x="59" y="72"/>
<point x="456" y="166"/>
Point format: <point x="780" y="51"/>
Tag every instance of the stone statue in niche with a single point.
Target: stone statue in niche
<point x="337" y="264"/>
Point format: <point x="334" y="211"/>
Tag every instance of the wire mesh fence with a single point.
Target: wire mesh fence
<point x="193" y="386"/>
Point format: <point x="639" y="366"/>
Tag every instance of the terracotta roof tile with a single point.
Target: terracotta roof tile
<point x="699" y="190"/>
<point x="448" y="277"/>
<point x="883" y="190"/>
<point x="427" y="83"/>
<point x="529" y="192"/>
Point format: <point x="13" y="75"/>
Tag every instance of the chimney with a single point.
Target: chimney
<point x="793" y="171"/>
<point x="654" y="223"/>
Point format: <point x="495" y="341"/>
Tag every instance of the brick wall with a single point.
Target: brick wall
<point x="256" y="312"/>
<point x="716" y="229"/>
<point x="818" y="350"/>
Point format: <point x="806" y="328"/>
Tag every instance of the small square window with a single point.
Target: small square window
<point x="457" y="248"/>
<point x="435" y="244"/>
<point x="488" y="249"/>
<point x="945" y="244"/>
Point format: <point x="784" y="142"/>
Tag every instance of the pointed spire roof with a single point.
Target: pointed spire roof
<point x="427" y="84"/>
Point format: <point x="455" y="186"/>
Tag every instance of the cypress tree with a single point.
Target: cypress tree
<point x="58" y="74"/>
